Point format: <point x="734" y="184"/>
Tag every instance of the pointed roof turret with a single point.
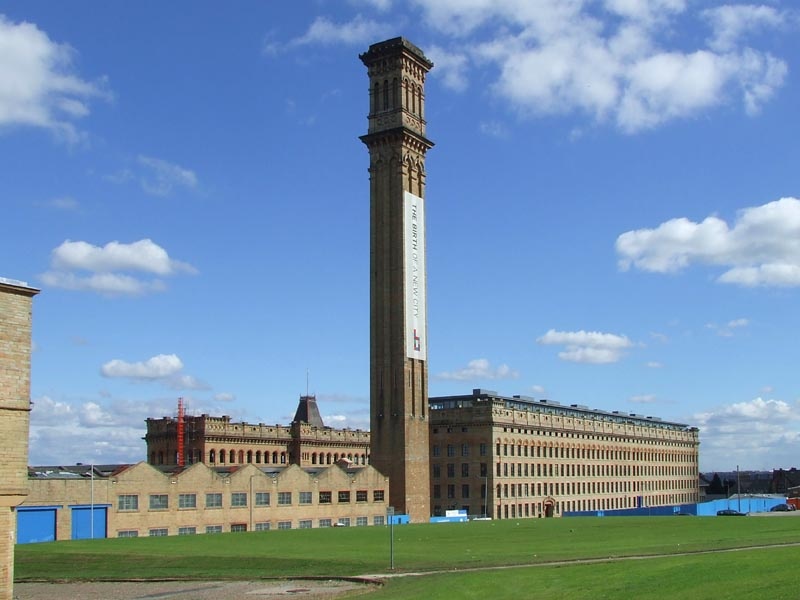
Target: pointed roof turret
<point x="308" y="412"/>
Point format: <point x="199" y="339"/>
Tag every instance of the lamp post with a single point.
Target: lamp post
<point x="91" y="506"/>
<point x="485" y="496"/>
<point x="390" y="516"/>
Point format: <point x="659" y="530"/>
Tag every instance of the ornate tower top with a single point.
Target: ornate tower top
<point x="397" y="70"/>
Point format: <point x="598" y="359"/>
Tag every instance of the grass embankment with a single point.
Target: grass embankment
<point x="344" y="552"/>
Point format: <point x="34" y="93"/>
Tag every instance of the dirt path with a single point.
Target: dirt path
<point x="188" y="590"/>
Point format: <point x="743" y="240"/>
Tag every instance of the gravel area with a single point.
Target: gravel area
<point x="188" y="590"/>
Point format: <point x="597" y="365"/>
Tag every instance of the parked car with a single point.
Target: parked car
<point x="782" y="508"/>
<point x="729" y="512"/>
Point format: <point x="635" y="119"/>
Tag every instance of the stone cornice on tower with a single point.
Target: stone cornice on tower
<point x="388" y="49"/>
<point x="408" y="137"/>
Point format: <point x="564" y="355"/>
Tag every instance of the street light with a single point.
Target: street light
<point x="485" y="495"/>
<point x="390" y="516"/>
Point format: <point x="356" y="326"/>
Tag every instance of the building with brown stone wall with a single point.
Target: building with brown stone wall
<point x="142" y="500"/>
<point x="397" y="144"/>
<point x="15" y="405"/>
<point x="516" y="457"/>
<point x="218" y="441"/>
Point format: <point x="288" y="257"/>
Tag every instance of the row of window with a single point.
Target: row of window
<point x="259" y="526"/>
<point x="577" y="453"/>
<point x="130" y="502"/>
<point x="595" y="437"/>
<point x="452" y="449"/>
<point x="511" y="469"/>
<point x="230" y="456"/>
<point x="520" y="490"/>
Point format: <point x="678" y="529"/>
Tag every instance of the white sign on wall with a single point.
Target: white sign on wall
<point x="414" y="262"/>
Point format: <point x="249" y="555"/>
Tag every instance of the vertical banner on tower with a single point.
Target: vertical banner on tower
<point x="414" y="262"/>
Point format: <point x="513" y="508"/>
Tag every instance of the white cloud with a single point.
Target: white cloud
<point x="357" y="31"/>
<point x="224" y="397"/>
<point x="105" y="283"/>
<point x="38" y="86"/>
<point x="162" y="177"/>
<point x="761" y="433"/>
<point x="731" y="22"/>
<point x="380" y="5"/>
<point x="64" y="432"/>
<point x="643" y="399"/>
<point x="186" y="382"/>
<point x="46" y="411"/>
<point x="355" y="420"/>
<point x="102" y="431"/>
<point x="144" y="255"/>
<point x="645" y="11"/>
<point x="762" y="248"/>
<point x="554" y="57"/>
<point x="493" y="129"/>
<point x="538" y="389"/>
<point x="105" y="262"/>
<point x="157" y="367"/>
<point x="728" y="329"/>
<point x="64" y="203"/>
<point x="654" y="364"/>
<point x="451" y="67"/>
<point x="163" y="368"/>
<point x="591" y="347"/>
<point x="479" y="368"/>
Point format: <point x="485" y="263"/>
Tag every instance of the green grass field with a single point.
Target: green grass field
<point x="450" y="553"/>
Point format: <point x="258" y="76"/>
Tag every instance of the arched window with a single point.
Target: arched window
<point x="274" y="458"/>
<point x="249" y="456"/>
<point x="212" y="456"/>
<point x="395" y="93"/>
<point x="414" y="99"/>
<point x="350" y="457"/>
<point x="386" y="95"/>
<point x="283" y="458"/>
<point x="153" y="457"/>
<point x="336" y="457"/>
<point x="161" y="458"/>
<point x="329" y="458"/>
<point x="419" y="100"/>
<point x="241" y="456"/>
<point x="222" y="456"/>
<point x="376" y="97"/>
<point x="313" y="458"/>
<point x="232" y="456"/>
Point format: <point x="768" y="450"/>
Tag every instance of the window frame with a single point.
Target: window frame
<point x="157" y="505"/>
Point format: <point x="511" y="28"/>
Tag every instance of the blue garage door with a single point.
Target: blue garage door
<point x="36" y="524"/>
<point x="89" y="522"/>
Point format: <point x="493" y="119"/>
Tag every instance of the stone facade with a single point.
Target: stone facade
<point x="518" y="457"/>
<point x="15" y="405"/>
<point x="142" y="500"/>
<point x="398" y="379"/>
<point x="217" y="441"/>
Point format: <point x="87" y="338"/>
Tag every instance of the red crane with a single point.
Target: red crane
<point x="181" y="452"/>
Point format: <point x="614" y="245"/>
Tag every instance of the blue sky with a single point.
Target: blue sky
<point x="612" y="211"/>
